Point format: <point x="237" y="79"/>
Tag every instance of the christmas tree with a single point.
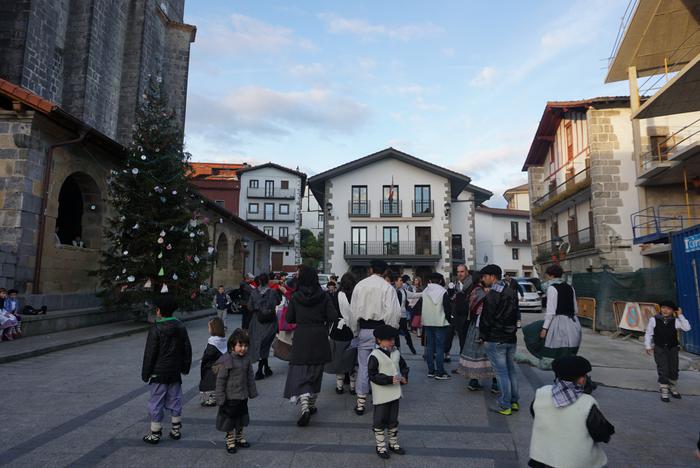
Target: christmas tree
<point x="158" y="241"/>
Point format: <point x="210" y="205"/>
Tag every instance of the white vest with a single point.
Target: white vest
<point x="559" y="435"/>
<point x="433" y="315"/>
<point x="388" y="366"/>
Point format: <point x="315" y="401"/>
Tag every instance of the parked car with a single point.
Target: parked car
<point x="531" y="301"/>
<point x="536" y="281"/>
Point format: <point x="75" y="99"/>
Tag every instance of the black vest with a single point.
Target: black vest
<point x="565" y="299"/>
<point x="665" y="334"/>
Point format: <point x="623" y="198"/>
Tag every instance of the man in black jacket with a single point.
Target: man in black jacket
<point x="168" y="354"/>
<point x="497" y="329"/>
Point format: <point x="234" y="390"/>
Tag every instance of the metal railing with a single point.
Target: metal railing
<point x="423" y="207"/>
<point x="656" y="223"/>
<point x="671" y="144"/>
<point x="267" y="192"/>
<point x="568" y="185"/>
<point x="262" y="216"/>
<point x="573" y="242"/>
<point x="390" y="208"/>
<point x="394" y="249"/>
<point x="509" y="238"/>
<point x="358" y="208"/>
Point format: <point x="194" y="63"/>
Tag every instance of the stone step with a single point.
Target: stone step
<point x="62" y="320"/>
<point x="31" y="346"/>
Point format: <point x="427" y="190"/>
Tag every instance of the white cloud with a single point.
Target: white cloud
<point x="263" y="111"/>
<point x="484" y="78"/>
<point x="338" y="25"/>
<point x="242" y="35"/>
<point x="448" y="52"/>
<point x="312" y="69"/>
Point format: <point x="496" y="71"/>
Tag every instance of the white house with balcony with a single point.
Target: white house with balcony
<point x="270" y="198"/>
<point x="417" y="216"/>
<point x="503" y="235"/>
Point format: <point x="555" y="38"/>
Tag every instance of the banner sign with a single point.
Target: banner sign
<point x="636" y="315"/>
<point x="692" y="243"/>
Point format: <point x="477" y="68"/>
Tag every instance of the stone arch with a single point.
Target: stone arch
<point x="79" y="211"/>
<point x="222" y="252"/>
<point x="237" y="262"/>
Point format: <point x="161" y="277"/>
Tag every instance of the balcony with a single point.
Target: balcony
<point x="273" y="217"/>
<point x="423" y="208"/>
<point x="564" y="246"/>
<point x="510" y="239"/>
<point x="391" y="209"/>
<point x="397" y="253"/>
<point x="358" y="209"/>
<point x="671" y="159"/>
<point x="271" y="193"/>
<point x="655" y="224"/>
<point x="573" y="185"/>
<point x="286" y="240"/>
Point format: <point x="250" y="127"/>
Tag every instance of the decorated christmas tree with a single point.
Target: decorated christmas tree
<point x="157" y="239"/>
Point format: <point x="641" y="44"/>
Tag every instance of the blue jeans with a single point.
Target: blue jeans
<point x="502" y="356"/>
<point x="435" y="349"/>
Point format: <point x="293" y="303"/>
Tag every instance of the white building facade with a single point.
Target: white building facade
<point x="311" y="214"/>
<point x="271" y="199"/>
<point x="415" y="215"/>
<point x="503" y="238"/>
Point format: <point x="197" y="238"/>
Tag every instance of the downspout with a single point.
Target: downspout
<point x="36" y="289"/>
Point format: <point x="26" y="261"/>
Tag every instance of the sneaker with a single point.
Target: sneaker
<point x="431" y="375"/>
<point x="442" y="377"/>
<point x="675" y="394"/>
<point x="515" y="406"/>
<point x="153" y="437"/>
<point x="473" y="387"/>
<point x="495" y="390"/>
<point x="448" y="359"/>
<point x="304" y="419"/>
<point x="503" y="411"/>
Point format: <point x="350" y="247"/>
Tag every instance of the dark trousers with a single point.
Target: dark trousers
<point x="459" y="327"/>
<point x="386" y="415"/>
<point x="403" y="328"/>
<point x="449" y="338"/>
<point x="666" y="364"/>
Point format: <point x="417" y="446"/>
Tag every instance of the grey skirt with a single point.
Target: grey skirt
<point x="563" y="332"/>
<point x="303" y="379"/>
<point x="344" y="358"/>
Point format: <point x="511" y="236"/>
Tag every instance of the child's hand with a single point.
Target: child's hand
<point x="649" y="352"/>
<point x="396" y="380"/>
<point x="404" y="381"/>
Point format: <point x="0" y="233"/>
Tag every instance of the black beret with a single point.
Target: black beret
<point x="384" y="332"/>
<point x="406" y="279"/>
<point x="670" y="304"/>
<point x="492" y="270"/>
<point x="571" y="367"/>
<point x="378" y="266"/>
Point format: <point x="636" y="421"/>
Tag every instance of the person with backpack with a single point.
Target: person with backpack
<point x="263" y="324"/>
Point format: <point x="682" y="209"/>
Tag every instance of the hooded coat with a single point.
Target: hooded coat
<point x="313" y="312"/>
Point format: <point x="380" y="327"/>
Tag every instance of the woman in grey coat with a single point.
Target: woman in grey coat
<point x="263" y="324"/>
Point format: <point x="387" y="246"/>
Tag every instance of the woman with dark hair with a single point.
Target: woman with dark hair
<point x="263" y="323"/>
<point x="313" y="312"/>
<point x="344" y="357"/>
<point x="559" y="334"/>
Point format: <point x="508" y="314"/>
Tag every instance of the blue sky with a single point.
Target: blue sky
<point x="462" y="84"/>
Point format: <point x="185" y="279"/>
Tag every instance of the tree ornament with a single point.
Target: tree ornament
<point x="196" y="259"/>
<point x="210" y="249"/>
<point x="191" y="234"/>
<point x="125" y="253"/>
<point x="160" y="255"/>
<point x="164" y="289"/>
<point x="147" y="284"/>
<point x="193" y="222"/>
<point x="162" y="233"/>
<point x="162" y="199"/>
<point x="169" y="247"/>
<point x="135" y="171"/>
<point x="131" y="278"/>
<point x="161" y="272"/>
<point x="135" y="226"/>
<point x="143" y="157"/>
<point x="161" y="240"/>
<point x="175" y="277"/>
<point x="123" y="270"/>
<point x="193" y="296"/>
<point x="174" y="192"/>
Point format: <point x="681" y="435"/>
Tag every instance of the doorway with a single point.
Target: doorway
<point x="277" y="260"/>
<point x="423" y="241"/>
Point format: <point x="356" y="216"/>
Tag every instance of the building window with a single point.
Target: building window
<point x="569" y="142"/>
<point x="253" y="183"/>
<point x="390" y="200"/>
<point x="220" y="203"/>
<point x="516" y="254"/>
<point x="527" y="230"/>
<point x="358" y="244"/>
<point x="269" y="230"/>
<point x="253" y="208"/>
<point x="284" y="184"/>
<point x="269" y="211"/>
<point x="391" y="240"/>
<point x="659" y="147"/>
<point x="284" y="234"/>
<point x="514" y="234"/>
<point x="320" y="218"/>
<point x="284" y="208"/>
<point x="422" y="199"/>
<point x="359" y="204"/>
<point x="222" y="252"/>
<point x="269" y="188"/>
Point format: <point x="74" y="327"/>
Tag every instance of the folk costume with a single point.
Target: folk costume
<point x="560" y="321"/>
<point x="344" y="356"/>
<point x="374" y="303"/>
<point x="263" y="326"/>
<point x="235" y="384"/>
<point x="568" y="426"/>
<point x="382" y="366"/>
<point x="216" y="347"/>
<point x="662" y="336"/>
<point x="474" y="364"/>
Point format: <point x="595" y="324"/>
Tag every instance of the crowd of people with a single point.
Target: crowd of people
<point x="352" y="330"/>
<point x="10" y="318"/>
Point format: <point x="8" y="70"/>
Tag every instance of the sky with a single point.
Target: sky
<point x="462" y="84"/>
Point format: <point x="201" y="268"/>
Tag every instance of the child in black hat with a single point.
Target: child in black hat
<point x="387" y="372"/>
<point x="568" y="427"/>
<point x="661" y="340"/>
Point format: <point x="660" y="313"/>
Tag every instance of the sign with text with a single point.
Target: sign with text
<point x="692" y="243"/>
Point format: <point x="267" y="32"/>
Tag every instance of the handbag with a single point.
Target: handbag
<point x="340" y="332"/>
<point x="281" y="350"/>
<point x="281" y="312"/>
